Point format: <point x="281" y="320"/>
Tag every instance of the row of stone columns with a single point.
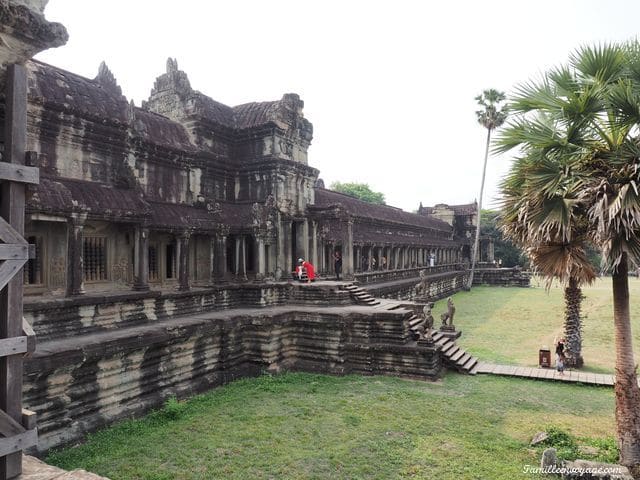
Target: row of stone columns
<point x="217" y="263"/>
<point x="374" y="257"/>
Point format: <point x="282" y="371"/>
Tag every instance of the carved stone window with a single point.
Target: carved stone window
<point x="33" y="268"/>
<point x="94" y="258"/>
<point x="153" y="263"/>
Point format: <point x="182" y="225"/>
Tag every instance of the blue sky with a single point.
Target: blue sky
<point x="388" y="86"/>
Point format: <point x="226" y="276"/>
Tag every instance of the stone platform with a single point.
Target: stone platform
<point x="104" y="360"/>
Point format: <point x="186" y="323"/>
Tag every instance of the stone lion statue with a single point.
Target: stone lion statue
<point x="422" y="288"/>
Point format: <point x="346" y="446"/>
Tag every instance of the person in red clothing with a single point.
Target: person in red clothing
<point x="311" y="271"/>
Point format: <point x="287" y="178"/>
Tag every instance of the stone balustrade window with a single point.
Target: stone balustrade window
<point x="33" y="268"/>
<point x="153" y="263"/>
<point x="94" y="258"/>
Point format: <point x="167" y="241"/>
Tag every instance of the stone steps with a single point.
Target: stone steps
<point x="361" y="296"/>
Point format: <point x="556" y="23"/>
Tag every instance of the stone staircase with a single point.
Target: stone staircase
<point x="361" y="296"/>
<point x="454" y="356"/>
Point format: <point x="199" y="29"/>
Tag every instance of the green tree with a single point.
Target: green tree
<point x="490" y="117"/>
<point x="359" y="190"/>
<point x="504" y="249"/>
<point x="578" y="130"/>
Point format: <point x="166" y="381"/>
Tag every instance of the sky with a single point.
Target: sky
<point x="388" y="85"/>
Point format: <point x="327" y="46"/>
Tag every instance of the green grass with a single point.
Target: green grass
<point x="509" y="325"/>
<point x="303" y="426"/>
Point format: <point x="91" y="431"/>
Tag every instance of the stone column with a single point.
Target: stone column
<point x="302" y="240"/>
<point x="315" y="258"/>
<point x="220" y="258"/>
<point x="212" y="259"/>
<point x="287" y="254"/>
<point x="347" y="252"/>
<point x="261" y="259"/>
<point x="183" y="261"/>
<point x="75" y="253"/>
<point x="241" y="256"/>
<point x="369" y="257"/>
<point x="141" y="259"/>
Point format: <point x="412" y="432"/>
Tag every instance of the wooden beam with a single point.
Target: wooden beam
<point x="27" y="331"/>
<point x="17" y="443"/>
<point x="13" y="346"/>
<point x="7" y="233"/>
<point x="8" y="271"/>
<point x="19" y="173"/>
<point x="29" y="419"/>
<point x="14" y="251"/>
<point x="9" y="427"/>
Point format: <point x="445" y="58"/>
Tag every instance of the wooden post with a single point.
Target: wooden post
<point x="12" y="205"/>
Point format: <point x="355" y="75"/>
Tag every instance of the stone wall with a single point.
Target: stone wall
<point x="504" y="277"/>
<point x="441" y="285"/>
<point x="103" y="359"/>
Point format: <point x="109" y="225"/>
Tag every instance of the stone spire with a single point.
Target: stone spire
<point x="107" y="79"/>
<point x="173" y="80"/>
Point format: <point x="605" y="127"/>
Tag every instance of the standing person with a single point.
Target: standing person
<point x="383" y="263"/>
<point x="337" y="263"/>
<point x="373" y="263"/>
<point x="309" y="268"/>
<point x="560" y="355"/>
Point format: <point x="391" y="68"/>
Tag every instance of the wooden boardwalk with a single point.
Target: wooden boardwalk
<point x="570" y="376"/>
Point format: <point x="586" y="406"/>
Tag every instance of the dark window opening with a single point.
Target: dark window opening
<point x="94" y="257"/>
<point x="33" y="268"/>
<point x="170" y="258"/>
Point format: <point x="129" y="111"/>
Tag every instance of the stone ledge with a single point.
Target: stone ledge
<point x="34" y="469"/>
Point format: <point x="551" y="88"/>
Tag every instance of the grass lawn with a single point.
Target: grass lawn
<point x="509" y="325"/>
<point x="303" y="426"/>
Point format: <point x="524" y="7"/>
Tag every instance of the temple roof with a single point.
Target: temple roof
<point x="62" y="195"/>
<point x="172" y="215"/>
<point x="327" y="198"/>
<point x="254" y="114"/>
<point x="463" y="209"/>
<point x="51" y="84"/>
<point x="160" y="130"/>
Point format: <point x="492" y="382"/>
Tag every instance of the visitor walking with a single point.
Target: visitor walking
<point x="337" y="263"/>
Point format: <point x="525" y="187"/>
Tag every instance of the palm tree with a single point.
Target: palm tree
<point x="585" y="118"/>
<point x="535" y="193"/>
<point x="491" y="117"/>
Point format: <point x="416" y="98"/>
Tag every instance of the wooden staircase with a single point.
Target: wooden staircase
<point x="361" y="296"/>
<point x="454" y="356"/>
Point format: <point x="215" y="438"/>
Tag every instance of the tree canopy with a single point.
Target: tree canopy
<point x="361" y="191"/>
<point x="575" y="183"/>
<point x="504" y="249"/>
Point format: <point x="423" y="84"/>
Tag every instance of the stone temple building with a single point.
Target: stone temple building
<point x="165" y="237"/>
<point x="185" y="191"/>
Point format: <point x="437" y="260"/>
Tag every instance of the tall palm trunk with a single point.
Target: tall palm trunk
<point x="573" y="324"/>
<point x="626" y="386"/>
<point x="476" y="243"/>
